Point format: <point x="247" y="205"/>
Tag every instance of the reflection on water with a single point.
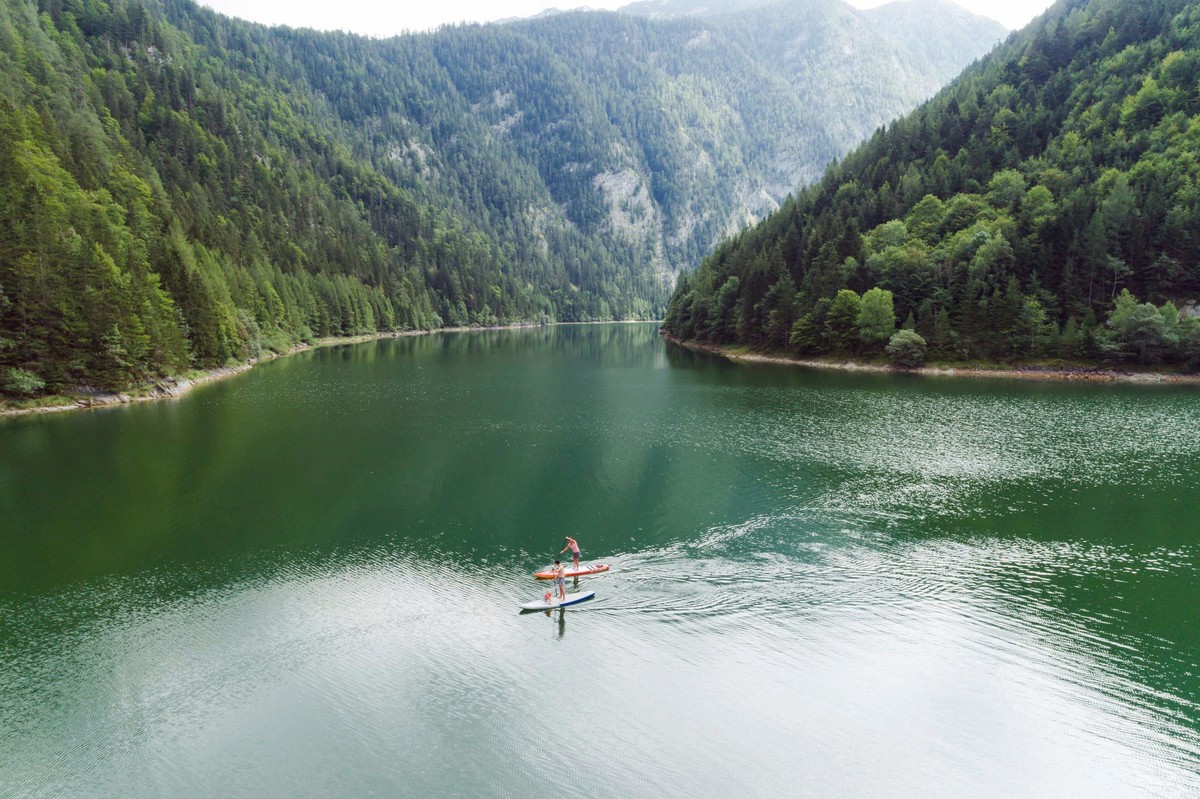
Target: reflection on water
<point x="304" y="581"/>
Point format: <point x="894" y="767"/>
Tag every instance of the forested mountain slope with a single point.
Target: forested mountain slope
<point x="1023" y="212"/>
<point x="669" y="9"/>
<point x="940" y="32"/>
<point x="182" y="189"/>
<point x="851" y="70"/>
<point x="936" y="31"/>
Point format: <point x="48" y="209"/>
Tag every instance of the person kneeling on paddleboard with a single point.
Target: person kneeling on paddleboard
<point x="560" y="579"/>
<point x="574" y="547"/>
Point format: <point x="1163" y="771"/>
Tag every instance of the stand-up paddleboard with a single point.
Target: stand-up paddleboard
<point x="582" y="571"/>
<point x="555" y="602"/>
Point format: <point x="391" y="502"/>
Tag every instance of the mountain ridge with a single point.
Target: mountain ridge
<point x="215" y="189"/>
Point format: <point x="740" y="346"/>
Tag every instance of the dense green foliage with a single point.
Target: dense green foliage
<point x="181" y="189"/>
<point x="1020" y="213"/>
<point x="164" y="204"/>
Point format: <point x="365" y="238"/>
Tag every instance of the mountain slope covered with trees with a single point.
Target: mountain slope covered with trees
<point x="1043" y="205"/>
<point x="179" y="189"/>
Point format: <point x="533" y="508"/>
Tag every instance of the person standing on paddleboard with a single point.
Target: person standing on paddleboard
<point x="574" y="547"/>
<point x="560" y="579"/>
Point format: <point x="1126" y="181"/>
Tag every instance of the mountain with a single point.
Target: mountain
<point x="180" y="189"/>
<point x="669" y="9"/>
<point x="852" y="69"/>
<point x="1021" y="213"/>
<point x="856" y="70"/>
<point x="937" y="31"/>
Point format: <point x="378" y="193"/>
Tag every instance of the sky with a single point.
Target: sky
<point x="375" y="18"/>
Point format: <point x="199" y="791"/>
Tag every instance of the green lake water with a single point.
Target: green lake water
<point x="303" y="581"/>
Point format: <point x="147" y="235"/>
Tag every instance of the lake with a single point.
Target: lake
<point x="304" y="581"/>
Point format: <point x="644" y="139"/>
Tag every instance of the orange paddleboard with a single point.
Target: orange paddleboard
<point x="572" y="572"/>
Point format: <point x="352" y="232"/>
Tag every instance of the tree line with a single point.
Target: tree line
<point x="1042" y="206"/>
<point x="179" y="189"/>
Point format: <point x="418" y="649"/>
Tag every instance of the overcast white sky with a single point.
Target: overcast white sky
<point x="376" y="18"/>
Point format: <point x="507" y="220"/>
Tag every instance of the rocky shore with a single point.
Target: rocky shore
<point x="171" y="387"/>
<point x="1084" y="373"/>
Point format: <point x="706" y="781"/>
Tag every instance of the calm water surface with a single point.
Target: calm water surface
<point x="303" y="582"/>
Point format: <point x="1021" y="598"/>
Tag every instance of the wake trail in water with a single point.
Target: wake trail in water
<point x="1002" y="600"/>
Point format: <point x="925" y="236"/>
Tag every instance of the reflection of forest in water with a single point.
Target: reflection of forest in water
<point x="627" y="344"/>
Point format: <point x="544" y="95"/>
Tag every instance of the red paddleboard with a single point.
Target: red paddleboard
<point x="572" y="572"/>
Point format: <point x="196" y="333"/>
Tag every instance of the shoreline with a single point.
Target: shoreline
<point x="1082" y="373"/>
<point x="177" y="386"/>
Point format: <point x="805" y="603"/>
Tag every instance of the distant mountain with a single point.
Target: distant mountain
<point x="179" y="189"/>
<point x="1043" y="205"/>
<point x="937" y="31"/>
<point x="854" y="70"/>
<point x="668" y="9"/>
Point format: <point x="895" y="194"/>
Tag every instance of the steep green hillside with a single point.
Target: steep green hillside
<point x="177" y="195"/>
<point x="181" y="189"/>
<point x="1023" y="212"/>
